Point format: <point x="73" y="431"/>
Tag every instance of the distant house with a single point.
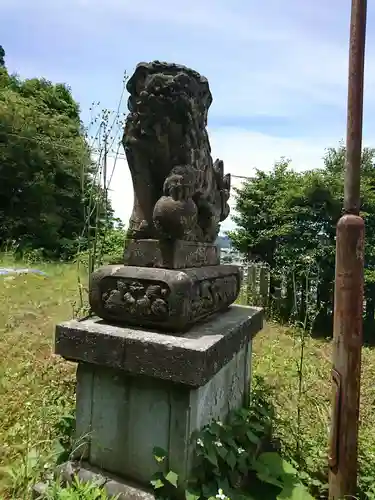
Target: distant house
<point x="223" y="241"/>
<point x="228" y="255"/>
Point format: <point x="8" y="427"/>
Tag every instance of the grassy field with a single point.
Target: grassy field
<point x="37" y="388"/>
<point x="277" y="353"/>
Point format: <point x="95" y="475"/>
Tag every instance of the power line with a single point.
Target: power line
<point x="111" y="153"/>
<point x="240" y="176"/>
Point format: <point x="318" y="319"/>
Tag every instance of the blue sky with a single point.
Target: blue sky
<point x="277" y="70"/>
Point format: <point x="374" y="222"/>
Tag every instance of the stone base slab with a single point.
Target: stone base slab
<point x="171" y="254"/>
<point x="191" y="359"/>
<point x="139" y="389"/>
<point x="121" y="418"/>
<point x="165" y="299"/>
<point x="112" y="485"/>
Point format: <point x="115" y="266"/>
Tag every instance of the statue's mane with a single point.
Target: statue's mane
<point x="180" y="192"/>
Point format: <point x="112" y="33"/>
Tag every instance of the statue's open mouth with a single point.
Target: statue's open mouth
<point x="156" y="111"/>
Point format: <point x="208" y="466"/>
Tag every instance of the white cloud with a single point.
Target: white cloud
<point x="263" y="59"/>
<point x="266" y="58"/>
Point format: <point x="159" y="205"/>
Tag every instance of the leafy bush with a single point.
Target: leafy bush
<point x="77" y="490"/>
<point x="108" y="250"/>
<point x="232" y="461"/>
<point x="288" y="219"/>
<point x="50" y="195"/>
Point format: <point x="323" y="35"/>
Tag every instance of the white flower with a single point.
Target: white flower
<point x="240" y="451"/>
<point x="220" y="495"/>
<point x="199" y="442"/>
<point x="219" y="444"/>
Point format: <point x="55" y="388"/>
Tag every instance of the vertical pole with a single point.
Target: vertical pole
<point x="251" y="283"/>
<point x="348" y="308"/>
<point x="264" y="286"/>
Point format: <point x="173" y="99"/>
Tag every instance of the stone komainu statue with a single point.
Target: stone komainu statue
<point x="179" y="192"/>
<point x="171" y="277"/>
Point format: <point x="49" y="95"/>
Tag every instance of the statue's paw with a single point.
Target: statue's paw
<point x="174" y="218"/>
<point x="177" y="188"/>
<point x="141" y="230"/>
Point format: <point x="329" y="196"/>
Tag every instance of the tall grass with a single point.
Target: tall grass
<point x="298" y="368"/>
<point x="37" y="389"/>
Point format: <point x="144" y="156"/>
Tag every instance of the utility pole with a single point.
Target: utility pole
<point x="348" y="308"/>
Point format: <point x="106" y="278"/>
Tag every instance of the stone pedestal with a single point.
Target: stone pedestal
<point x="170" y="300"/>
<point x="137" y="389"/>
<point x="171" y="254"/>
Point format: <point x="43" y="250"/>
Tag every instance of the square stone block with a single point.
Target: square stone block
<point x="170" y="300"/>
<point x="139" y="389"/>
<point x="171" y="254"/>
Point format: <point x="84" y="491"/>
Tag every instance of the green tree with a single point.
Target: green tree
<point x="263" y="213"/>
<point x="335" y="165"/>
<point x="2" y="57"/>
<point x="47" y="182"/>
<point x="288" y="220"/>
<point x="265" y="219"/>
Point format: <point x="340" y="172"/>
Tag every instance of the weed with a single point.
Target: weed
<point x="275" y="356"/>
<point x="37" y="388"/>
<point x="77" y="490"/>
<point x="232" y="461"/>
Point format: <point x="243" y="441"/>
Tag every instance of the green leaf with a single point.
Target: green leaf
<point x="215" y="429"/>
<point x="267" y="478"/>
<point x="195" y="435"/>
<point x="253" y="438"/>
<point x="224" y="485"/>
<point x="230" y="441"/>
<point x="244" y="412"/>
<point x="231" y="459"/>
<point x="172" y="478"/>
<point x="32" y="457"/>
<point x="222" y="451"/>
<point x="242" y="496"/>
<point x="263" y="411"/>
<point x="157" y="483"/>
<point x="276" y="466"/>
<point x="189" y="495"/>
<point x="294" y="492"/>
<point x="256" y="426"/>
<point x="159" y="454"/>
<point x="210" y="454"/>
<point x="209" y="490"/>
<point x="316" y="482"/>
<point x="58" y="448"/>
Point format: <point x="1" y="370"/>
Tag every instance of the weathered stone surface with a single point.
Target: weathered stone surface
<point x="191" y="359"/>
<point x="139" y="389"/>
<point x="39" y="491"/>
<point x="179" y="192"/>
<point x="114" y="487"/>
<point x="180" y="197"/>
<point x="170" y="300"/>
<point x="131" y="415"/>
<point x="171" y="254"/>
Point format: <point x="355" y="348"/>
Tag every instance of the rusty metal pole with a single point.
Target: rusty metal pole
<point x="348" y="309"/>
